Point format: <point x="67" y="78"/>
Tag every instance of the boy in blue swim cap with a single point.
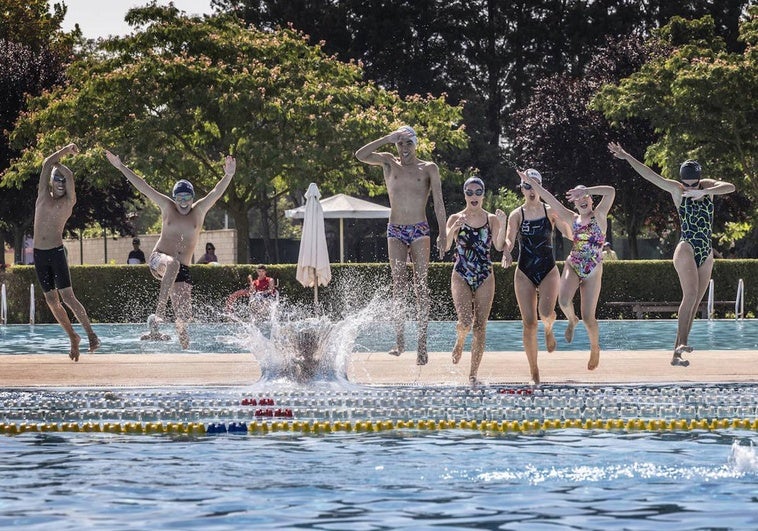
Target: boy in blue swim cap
<point x="183" y="219"/>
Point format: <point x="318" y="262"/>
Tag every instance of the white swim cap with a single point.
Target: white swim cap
<point x="534" y="174"/>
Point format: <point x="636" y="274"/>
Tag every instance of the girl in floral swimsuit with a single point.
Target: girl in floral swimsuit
<point x="584" y="267"/>
<point x="693" y="257"/>
<point x="472" y="283"/>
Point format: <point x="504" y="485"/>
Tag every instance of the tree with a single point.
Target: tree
<point x="701" y="100"/>
<point x="487" y="55"/>
<point x="180" y="92"/>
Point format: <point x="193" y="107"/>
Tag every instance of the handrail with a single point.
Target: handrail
<point x="31" y="304"/>
<point x="739" y="301"/>
<point x="3" y="306"/>
<point x="711" y="310"/>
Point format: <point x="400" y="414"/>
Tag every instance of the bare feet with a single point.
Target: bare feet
<point x="570" y="329"/>
<point x="457" y="353"/>
<point x="535" y="378"/>
<point x="550" y="340"/>
<point x="94" y="342"/>
<point x="677" y="361"/>
<point x="74" y="352"/>
<point x="594" y="359"/>
<point x="474" y="381"/>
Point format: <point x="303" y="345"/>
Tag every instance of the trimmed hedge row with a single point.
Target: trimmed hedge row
<point x="121" y="293"/>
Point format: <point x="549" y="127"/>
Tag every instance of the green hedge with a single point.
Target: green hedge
<point x="121" y="293"/>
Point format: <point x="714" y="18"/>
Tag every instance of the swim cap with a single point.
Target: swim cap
<point x="473" y="180"/>
<point x="534" y="174"/>
<point x="183" y="187"/>
<point x="408" y="130"/>
<point x="690" y="169"/>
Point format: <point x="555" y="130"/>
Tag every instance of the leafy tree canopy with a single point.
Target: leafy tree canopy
<point x="701" y="100"/>
<point x="180" y="92"/>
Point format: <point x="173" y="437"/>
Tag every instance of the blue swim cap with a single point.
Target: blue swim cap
<point x="690" y="170"/>
<point x="183" y="187"/>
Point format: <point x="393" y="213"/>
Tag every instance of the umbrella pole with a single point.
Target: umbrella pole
<point x="315" y="298"/>
<point x="342" y="241"/>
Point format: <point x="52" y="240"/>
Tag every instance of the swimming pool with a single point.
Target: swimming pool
<point x="500" y="466"/>
<point x="724" y="334"/>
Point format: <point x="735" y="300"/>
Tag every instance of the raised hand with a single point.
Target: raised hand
<point x="230" y="165"/>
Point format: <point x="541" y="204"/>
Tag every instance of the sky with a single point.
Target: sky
<point x="101" y="18"/>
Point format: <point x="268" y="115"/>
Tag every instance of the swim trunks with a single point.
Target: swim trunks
<point x="408" y="233"/>
<point x="587" y="252"/>
<point x="535" y="257"/>
<point x="697" y="224"/>
<point x="158" y="268"/>
<point x="472" y="254"/>
<point x="51" y="267"/>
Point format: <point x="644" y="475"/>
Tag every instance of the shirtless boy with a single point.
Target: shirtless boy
<point x="183" y="219"/>
<point x="56" y="198"/>
<point x="409" y="182"/>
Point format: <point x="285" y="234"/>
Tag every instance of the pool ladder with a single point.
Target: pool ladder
<point x="739" y="301"/>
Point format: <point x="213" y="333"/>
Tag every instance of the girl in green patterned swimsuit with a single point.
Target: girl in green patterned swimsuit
<point x="693" y="257"/>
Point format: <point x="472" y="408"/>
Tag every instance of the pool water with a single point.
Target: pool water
<point x="414" y="480"/>
<point x="726" y="334"/>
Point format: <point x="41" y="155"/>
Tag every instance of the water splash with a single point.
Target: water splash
<point x="293" y="346"/>
<point x="743" y="459"/>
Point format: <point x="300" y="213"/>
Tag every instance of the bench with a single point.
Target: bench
<point x="642" y="307"/>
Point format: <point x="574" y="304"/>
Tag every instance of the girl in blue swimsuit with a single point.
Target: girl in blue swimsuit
<point x="473" y="231"/>
<point x="536" y="278"/>
<point x="583" y="270"/>
<point x="693" y="256"/>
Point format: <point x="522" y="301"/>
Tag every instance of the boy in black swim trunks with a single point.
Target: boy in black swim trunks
<point x="183" y="219"/>
<point x="56" y="198"/>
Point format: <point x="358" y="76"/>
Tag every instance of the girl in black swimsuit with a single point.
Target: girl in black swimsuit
<point x="532" y="225"/>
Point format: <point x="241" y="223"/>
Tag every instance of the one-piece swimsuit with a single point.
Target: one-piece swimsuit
<point x="472" y="254"/>
<point x="697" y="224"/>
<point x="587" y="252"/>
<point x="536" y="257"/>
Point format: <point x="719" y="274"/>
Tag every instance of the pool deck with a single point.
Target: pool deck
<point x="377" y="368"/>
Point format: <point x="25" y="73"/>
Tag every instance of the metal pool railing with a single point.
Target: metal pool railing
<point x="490" y="410"/>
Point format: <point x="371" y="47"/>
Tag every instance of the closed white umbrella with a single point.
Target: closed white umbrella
<point x="313" y="260"/>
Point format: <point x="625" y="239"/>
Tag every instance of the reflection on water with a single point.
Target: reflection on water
<point x="377" y="336"/>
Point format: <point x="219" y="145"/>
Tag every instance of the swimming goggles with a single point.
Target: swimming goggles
<point x="478" y="191"/>
<point x="59" y="178"/>
<point x="526" y="186"/>
<point x="184" y="197"/>
<point x="693" y="185"/>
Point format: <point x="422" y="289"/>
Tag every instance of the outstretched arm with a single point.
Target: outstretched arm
<point x="205" y="203"/>
<point x="439" y="208"/>
<point x="710" y="187"/>
<point x="49" y="163"/>
<point x="138" y="182"/>
<point x="661" y="182"/>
